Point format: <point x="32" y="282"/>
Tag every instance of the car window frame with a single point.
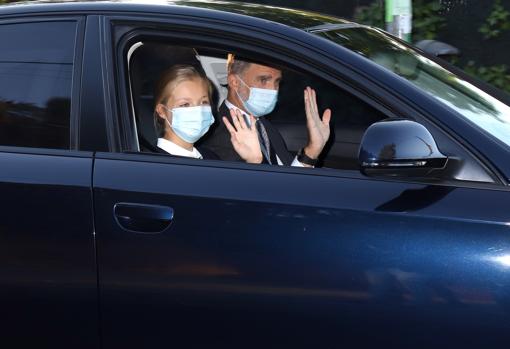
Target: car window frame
<point x="129" y="28"/>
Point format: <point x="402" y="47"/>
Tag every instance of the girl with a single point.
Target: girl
<point x="183" y="115"/>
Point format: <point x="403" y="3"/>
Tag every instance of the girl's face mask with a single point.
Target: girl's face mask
<point x="191" y="123"/>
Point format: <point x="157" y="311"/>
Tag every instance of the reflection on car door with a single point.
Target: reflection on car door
<point x="282" y="258"/>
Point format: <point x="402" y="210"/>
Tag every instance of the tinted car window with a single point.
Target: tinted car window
<point x="472" y="103"/>
<point x="36" y="82"/>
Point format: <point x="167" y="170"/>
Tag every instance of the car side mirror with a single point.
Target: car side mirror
<point x="437" y="48"/>
<point x="399" y="148"/>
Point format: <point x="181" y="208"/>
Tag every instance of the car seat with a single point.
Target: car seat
<point x="146" y="64"/>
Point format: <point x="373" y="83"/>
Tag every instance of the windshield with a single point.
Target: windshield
<point x="480" y="108"/>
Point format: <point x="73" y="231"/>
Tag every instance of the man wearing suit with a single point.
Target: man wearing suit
<point x="252" y="94"/>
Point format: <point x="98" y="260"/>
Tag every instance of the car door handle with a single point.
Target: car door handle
<point x="142" y="218"/>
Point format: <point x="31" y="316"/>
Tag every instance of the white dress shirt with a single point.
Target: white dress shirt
<point x="174" y="149"/>
<point x="229" y="105"/>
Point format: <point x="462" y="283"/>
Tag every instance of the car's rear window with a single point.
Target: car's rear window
<point x="36" y="70"/>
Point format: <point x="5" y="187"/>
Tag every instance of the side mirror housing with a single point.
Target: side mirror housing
<point x="399" y="148"/>
<point x="437" y="48"/>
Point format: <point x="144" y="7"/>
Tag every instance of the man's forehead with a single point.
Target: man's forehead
<point x="259" y="69"/>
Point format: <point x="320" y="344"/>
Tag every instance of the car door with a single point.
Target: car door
<point x="254" y="256"/>
<point x="48" y="284"/>
<point x="197" y="253"/>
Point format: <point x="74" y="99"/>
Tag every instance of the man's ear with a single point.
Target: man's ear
<point x="232" y="81"/>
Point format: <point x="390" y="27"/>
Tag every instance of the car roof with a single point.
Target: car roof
<point x="300" y="19"/>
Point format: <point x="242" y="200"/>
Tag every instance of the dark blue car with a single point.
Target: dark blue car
<point x="399" y="238"/>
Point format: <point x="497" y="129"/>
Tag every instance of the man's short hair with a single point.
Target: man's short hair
<point x="236" y="65"/>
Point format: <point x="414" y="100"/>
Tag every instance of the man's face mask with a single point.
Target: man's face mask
<point x="191" y="123"/>
<point x="261" y="101"/>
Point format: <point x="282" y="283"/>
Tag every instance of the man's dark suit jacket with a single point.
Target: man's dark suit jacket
<point x="219" y="140"/>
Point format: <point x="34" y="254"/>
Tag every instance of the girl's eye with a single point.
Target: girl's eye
<point x="205" y="102"/>
<point x="184" y="105"/>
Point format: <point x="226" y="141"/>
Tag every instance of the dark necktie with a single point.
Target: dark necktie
<point x="264" y="141"/>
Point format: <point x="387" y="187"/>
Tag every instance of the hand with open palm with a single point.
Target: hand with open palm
<point x="318" y="129"/>
<point x="244" y="138"/>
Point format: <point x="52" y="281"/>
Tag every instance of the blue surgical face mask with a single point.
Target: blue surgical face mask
<point x="261" y="101"/>
<point x="191" y="123"/>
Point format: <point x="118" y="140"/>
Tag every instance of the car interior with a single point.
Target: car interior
<point x="350" y="115"/>
<point x="350" y="118"/>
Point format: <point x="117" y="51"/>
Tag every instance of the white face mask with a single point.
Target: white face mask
<point x="261" y="101"/>
<point x="191" y="123"/>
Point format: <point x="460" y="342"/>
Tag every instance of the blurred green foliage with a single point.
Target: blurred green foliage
<point x="428" y="21"/>
<point x="372" y="15"/>
<point x="496" y="22"/>
<point x="497" y="75"/>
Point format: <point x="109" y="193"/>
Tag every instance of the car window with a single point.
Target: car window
<point x="472" y="103"/>
<point x="36" y="70"/>
<point x="351" y="116"/>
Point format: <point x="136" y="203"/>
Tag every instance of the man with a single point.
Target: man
<point x="253" y="92"/>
